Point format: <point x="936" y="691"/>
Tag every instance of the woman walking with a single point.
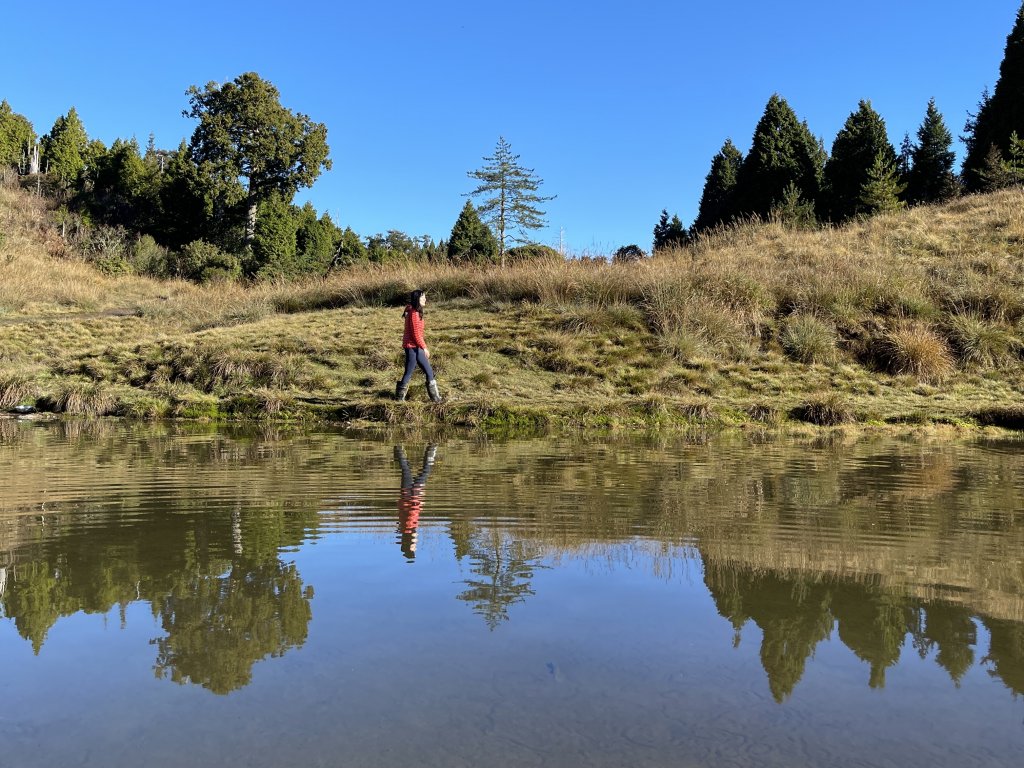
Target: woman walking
<point x="416" y="352"/>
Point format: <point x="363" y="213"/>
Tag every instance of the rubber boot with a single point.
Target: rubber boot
<point x="400" y="391"/>
<point x="432" y="389"/>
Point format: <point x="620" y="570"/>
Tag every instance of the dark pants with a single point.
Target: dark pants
<point x="413" y="357"/>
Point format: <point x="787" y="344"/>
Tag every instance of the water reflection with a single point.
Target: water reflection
<point x="797" y="612"/>
<point x="888" y="550"/>
<point x="410" y="499"/>
<point x="502" y="567"/>
<point x="214" y="581"/>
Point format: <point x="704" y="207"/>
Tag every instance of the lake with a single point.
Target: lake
<point x="189" y="596"/>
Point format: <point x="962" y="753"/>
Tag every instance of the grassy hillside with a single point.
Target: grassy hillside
<point x="916" y="317"/>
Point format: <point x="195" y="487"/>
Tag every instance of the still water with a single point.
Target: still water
<point x="176" y="597"/>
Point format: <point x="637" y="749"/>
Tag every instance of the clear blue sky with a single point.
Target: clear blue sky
<point x="619" y="106"/>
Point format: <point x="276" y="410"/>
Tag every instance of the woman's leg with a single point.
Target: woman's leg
<point x="401" y="387"/>
<point x="424" y="363"/>
<point x="410" y="366"/>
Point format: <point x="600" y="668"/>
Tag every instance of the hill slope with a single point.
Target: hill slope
<point x="915" y="317"/>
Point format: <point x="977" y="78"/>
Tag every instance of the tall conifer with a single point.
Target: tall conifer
<point x="783" y="152"/>
<point x="471" y="240"/>
<point x="65" y="147"/>
<point x="999" y="115"/>
<point x="930" y="178"/>
<point x="717" y="203"/>
<point x="16" y="135"/>
<point x="862" y="139"/>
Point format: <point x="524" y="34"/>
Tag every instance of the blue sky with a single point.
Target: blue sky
<point x="618" y="106"/>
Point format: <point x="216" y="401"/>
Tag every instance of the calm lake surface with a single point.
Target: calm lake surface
<point x="188" y="597"/>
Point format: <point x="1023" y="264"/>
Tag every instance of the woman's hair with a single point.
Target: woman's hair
<point x="414" y="301"/>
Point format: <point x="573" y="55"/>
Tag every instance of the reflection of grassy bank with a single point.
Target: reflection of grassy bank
<point x="910" y="319"/>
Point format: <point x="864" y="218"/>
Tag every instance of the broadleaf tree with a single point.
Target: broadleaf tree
<point x="509" y="197"/>
<point x="244" y="133"/>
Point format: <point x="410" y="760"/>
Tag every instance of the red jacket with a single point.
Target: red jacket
<point x="413" y="330"/>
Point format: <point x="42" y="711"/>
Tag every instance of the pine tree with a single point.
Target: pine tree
<point x="862" y="139"/>
<point x="471" y="241"/>
<point x="783" y="152"/>
<point x="510" y="197"/>
<point x="669" y="233"/>
<point x="716" y="202"/>
<point x="65" y="148"/>
<point x="793" y="210"/>
<point x="998" y="171"/>
<point x="314" y="241"/>
<point x="882" y="188"/>
<point x="930" y="178"/>
<point x="16" y="134"/>
<point x="1000" y="114"/>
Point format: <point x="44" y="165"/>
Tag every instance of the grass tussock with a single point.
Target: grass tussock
<point x="914" y="349"/>
<point x="825" y="410"/>
<point x="79" y="398"/>
<point x="17" y="387"/>
<point x="980" y="343"/>
<point x="806" y="339"/>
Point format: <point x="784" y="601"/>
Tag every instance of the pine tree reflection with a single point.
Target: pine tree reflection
<point x="505" y="565"/>
<point x="796" y="612"/>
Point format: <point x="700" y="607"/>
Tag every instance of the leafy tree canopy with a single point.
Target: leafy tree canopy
<point x="245" y="134"/>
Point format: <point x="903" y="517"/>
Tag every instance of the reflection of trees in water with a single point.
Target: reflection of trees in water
<point x="219" y="626"/>
<point x="796" y="612"/>
<point x="1005" y="658"/>
<point x="214" y="579"/>
<point x="504" y="565"/>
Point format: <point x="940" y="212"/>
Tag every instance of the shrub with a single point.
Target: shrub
<point x="807" y="339"/>
<point x="149" y="257"/>
<point x="204" y="262"/>
<point x="916" y="350"/>
<point x="532" y="252"/>
<point x="109" y="249"/>
<point x="980" y="343"/>
<point x="628" y="253"/>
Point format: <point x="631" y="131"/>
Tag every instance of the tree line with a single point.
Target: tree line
<point x="788" y="175"/>
<point x="221" y="206"/>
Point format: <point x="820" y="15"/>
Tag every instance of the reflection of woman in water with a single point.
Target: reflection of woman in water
<point x="410" y="499"/>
